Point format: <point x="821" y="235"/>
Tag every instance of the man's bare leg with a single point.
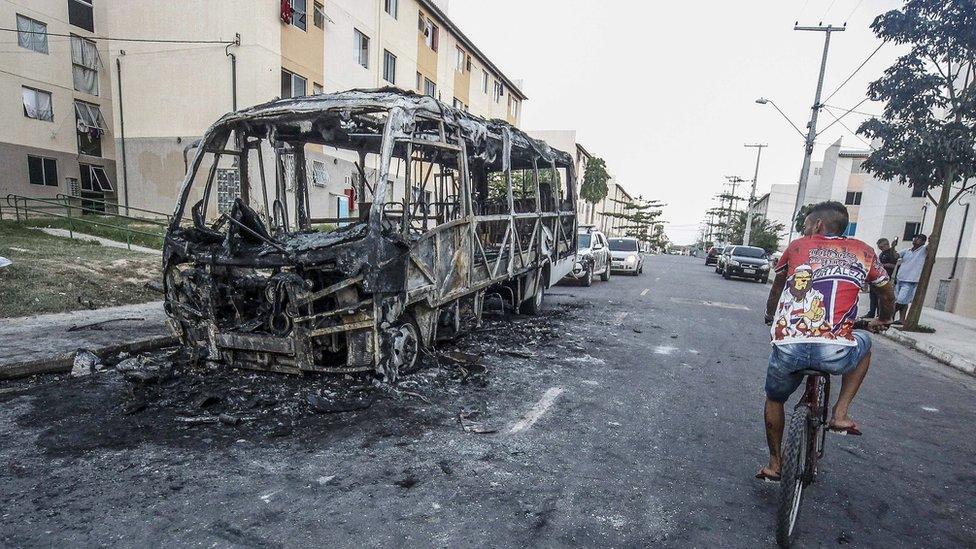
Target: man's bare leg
<point x="901" y="312"/>
<point x="775" y="419"/>
<point x="848" y="388"/>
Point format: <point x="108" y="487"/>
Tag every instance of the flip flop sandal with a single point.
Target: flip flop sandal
<point x="843" y="431"/>
<point x="766" y="477"/>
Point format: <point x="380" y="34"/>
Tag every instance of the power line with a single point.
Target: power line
<point x="859" y="67"/>
<point x="853" y="10"/>
<point x="852" y="110"/>
<point x="849" y="111"/>
<point x="116" y="39"/>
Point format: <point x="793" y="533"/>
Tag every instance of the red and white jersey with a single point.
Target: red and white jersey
<point x="824" y="278"/>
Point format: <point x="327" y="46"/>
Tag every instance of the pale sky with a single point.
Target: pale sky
<point x="665" y="91"/>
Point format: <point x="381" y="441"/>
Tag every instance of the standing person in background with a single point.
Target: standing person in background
<point x="889" y="260"/>
<point x="910" y="270"/>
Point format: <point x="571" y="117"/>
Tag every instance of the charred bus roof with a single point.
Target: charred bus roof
<point x="340" y="119"/>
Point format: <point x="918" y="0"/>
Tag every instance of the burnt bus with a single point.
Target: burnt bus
<point x="451" y="210"/>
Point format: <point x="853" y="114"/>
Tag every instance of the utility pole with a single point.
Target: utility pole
<point x="812" y="125"/>
<point x="752" y="194"/>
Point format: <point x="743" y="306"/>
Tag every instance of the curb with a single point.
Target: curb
<point x="63" y="362"/>
<point x="964" y="365"/>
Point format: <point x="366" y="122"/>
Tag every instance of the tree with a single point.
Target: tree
<point x="764" y="233"/>
<point x="927" y="132"/>
<point x="801" y="217"/>
<point x="640" y="219"/>
<point x="594" y="187"/>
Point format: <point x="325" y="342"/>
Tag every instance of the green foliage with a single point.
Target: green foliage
<point x="764" y="233"/>
<point x="641" y="221"/>
<point x="927" y="132"/>
<point x="594" y="187"/>
<point x="801" y="217"/>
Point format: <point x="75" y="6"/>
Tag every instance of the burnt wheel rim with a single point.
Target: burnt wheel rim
<point x="406" y="346"/>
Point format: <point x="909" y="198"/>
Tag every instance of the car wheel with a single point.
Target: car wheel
<point x="725" y="273"/>
<point x="765" y="279"/>
<point x="606" y="274"/>
<point x="588" y="279"/>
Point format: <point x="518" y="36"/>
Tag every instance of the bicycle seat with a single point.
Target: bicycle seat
<point x="809" y="372"/>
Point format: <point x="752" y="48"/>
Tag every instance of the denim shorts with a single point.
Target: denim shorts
<point x="786" y="360"/>
<point x="905" y="292"/>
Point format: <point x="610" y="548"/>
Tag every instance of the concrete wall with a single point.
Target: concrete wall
<point x="172" y="93"/>
<point x="963" y="295"/>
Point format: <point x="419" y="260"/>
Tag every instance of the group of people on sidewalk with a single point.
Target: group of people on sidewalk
<point x="909" y="269"/>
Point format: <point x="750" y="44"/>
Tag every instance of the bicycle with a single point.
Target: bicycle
<point x="803" y="447"/>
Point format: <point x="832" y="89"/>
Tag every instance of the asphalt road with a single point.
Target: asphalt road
<point x="629" y="415"/>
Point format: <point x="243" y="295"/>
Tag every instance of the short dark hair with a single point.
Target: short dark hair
<point x="885" y="240"/>
<point x="920" y="235"/>
<point x="833" y="214"/>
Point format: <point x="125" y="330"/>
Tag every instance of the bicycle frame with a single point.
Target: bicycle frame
<point x="816" y="396"/>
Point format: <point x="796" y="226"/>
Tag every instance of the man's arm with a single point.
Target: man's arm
<point x="774" y="293"/>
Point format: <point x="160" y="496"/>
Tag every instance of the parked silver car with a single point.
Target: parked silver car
<point x="625" y="256"/>
<point x="592" y="257"/>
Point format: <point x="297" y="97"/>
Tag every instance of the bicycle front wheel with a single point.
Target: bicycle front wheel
<point x="792" y="474"/>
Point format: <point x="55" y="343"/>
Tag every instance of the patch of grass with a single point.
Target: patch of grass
<point x="109" y="227"/>
<point x="50" y="274"/>
<point x="921" y="328"/>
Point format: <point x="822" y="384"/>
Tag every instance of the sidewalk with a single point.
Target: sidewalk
<point x="43" y="343"/>
<point x="953" y="343"/>
<point x="103" y="241"/>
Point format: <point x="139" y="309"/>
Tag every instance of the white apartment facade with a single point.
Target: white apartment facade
<point x="56" y="138"/>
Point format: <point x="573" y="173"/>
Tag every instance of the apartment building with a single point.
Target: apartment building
<point x="565" y="140"/>
<point x="195" y="60"/>
<point x="414" y="45"/>
<point x="57" y="137"/>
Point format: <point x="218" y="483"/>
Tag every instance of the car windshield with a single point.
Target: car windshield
<point x="623" y="245"/>
<point x="584" y="240"/>
<point x="745" y="251"/>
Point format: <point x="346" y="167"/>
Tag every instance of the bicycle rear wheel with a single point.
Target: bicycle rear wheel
<point x="792" y="473"/>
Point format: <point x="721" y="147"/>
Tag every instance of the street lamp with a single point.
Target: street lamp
<point x="808" y="140"/>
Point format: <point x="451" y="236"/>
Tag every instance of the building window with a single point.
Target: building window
<point x="459" y="59"/>
<point x="918" y="191"/>
<point x="42" y="171"/>
<point x="81" y="15"/>
<point x="851" y="229"/>
<point x="361" y="48"/>
<point x="317" y="88"/>
<point x="515" y="107"/>
<point x="391" y="7"/>
<point x="320" y="177"/>
<point x="389" y="67"/>
<point x="299" y="16"/>
<point x="292" y="85"/>
<point x="37" y="104"/>
<point x="499" y="91"/>
<point x="853" y="198"/>
<point x="912" y="228"/>
<point x="318" y="15"/>
<point x="90" y="126"/>
<point x="84" y="65"/>
<point x="430" y="88"/>
<point x="31" y="34"/>
<point x="94" y="178"/>
<point x="430" y="32"/>
<point x="484" y="81"/>
<point x="467" y="64"/>
<point x="817" y="171"/>
<point x="420" y="82"/>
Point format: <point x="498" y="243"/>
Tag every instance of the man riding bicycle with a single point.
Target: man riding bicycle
<point x="811" y="309"/>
